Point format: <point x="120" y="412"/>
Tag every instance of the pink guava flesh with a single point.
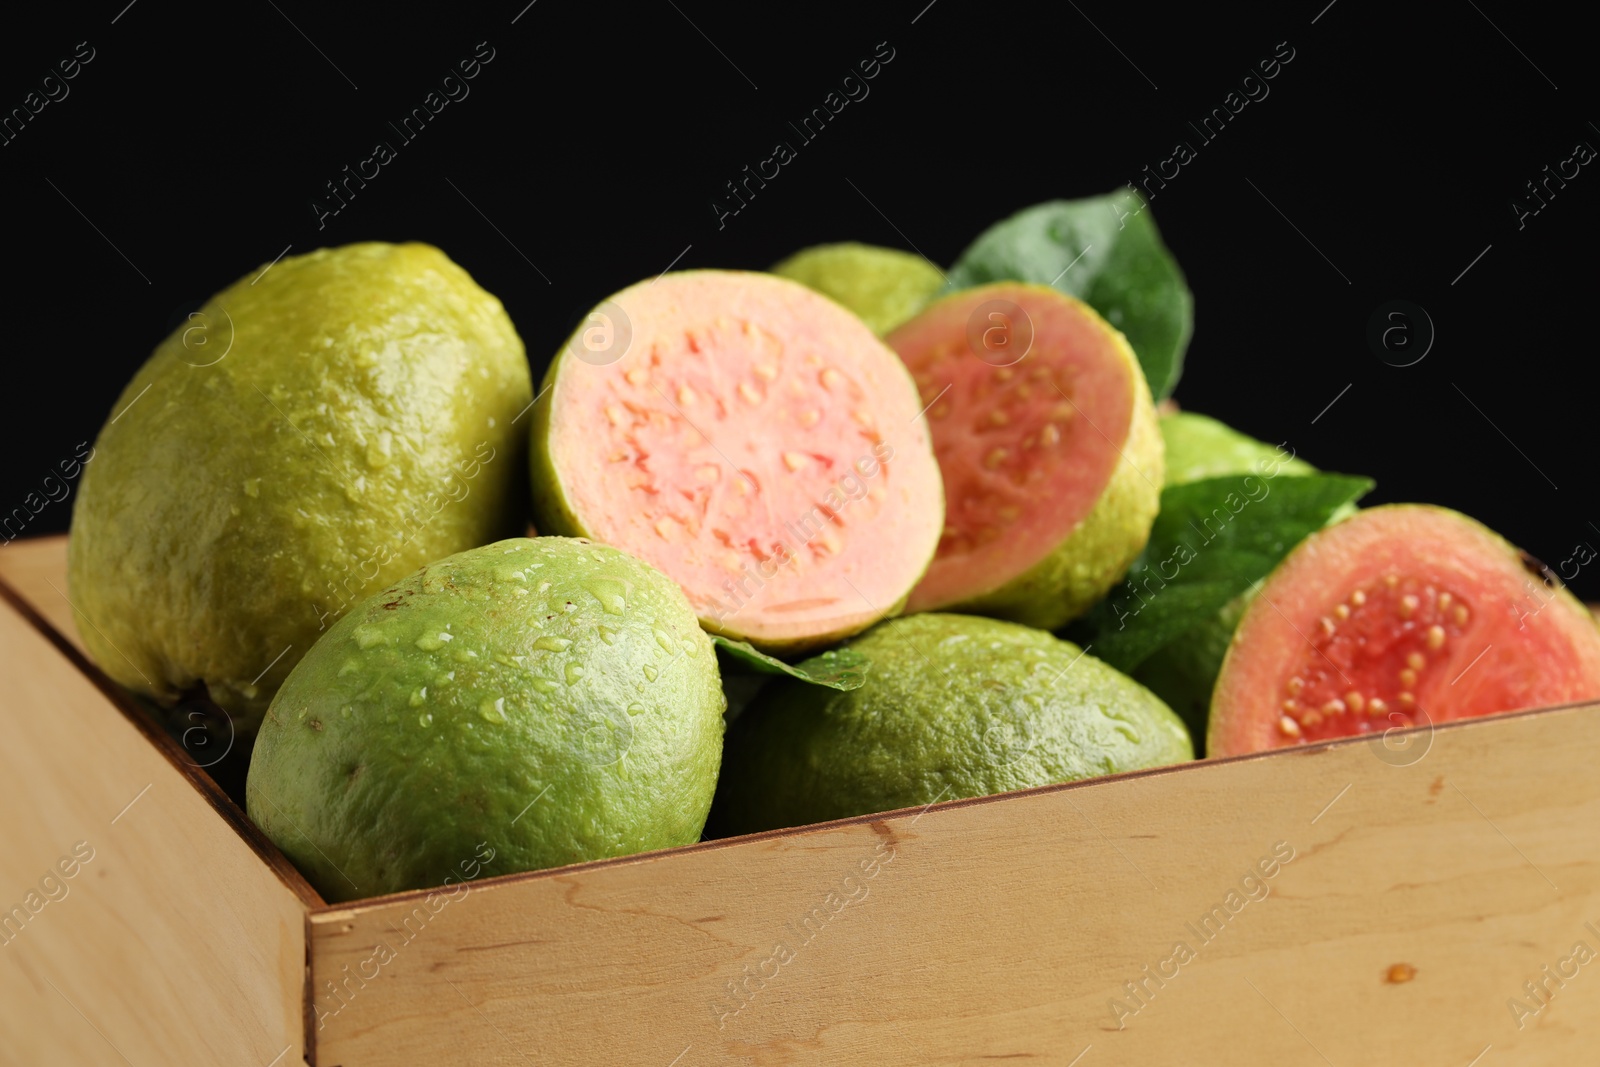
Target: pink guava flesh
<point x="759" y="445"/>
<point x="1398" y="616"/>
<point x="1026" y="439"/>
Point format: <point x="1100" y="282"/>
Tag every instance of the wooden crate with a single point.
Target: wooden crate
<point x="1412" y="893"/>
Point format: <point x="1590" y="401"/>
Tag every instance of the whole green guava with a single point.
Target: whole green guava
<point x="1199" y="446"/>
<point x="317" y="430"/>
<point x="543" y="701"/>
<point x="883" y="286"/>
<point x="953" y="706"/>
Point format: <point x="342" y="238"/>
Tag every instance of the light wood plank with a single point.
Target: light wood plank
<point x="36" y="570"/>
<point x="1004" y="928"/>
<point x="176" y="943"/>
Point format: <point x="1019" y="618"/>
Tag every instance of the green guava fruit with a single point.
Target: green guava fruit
<point x="1046" y="436"/>
<point x="550" y="697"/>
<point x="1198" y="447"/>
<point x="319" y="429"/>
<point x="884" y="286"/>
<point x="752" y="440"/>
<point x="953" y="706"/>
<point x="1401" y="615"/>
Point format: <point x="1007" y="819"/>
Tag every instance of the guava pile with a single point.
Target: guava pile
<point x="904" y="534"/>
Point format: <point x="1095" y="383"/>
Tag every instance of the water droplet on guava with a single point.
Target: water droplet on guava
<point x="650" y="671"/>
<point x="379" y="449"/>
<point x="1121" y="724"/>
<point x="551" y="644"/>
<point x="611" y="593"/>
<point x="573" y="672"/>
<point x="433" y="642"/>
<point x="493" y="710"/>
<point x="371" y="636"/>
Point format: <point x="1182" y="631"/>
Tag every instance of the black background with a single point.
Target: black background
<point x="597" y="138"/>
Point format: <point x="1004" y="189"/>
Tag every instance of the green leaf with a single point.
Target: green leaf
<point x="1107" y="252"/>
<point x="1213" y="539"/>
<point x="843" y="669"/>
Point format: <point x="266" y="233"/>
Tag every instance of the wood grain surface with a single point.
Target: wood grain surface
<point x="36" y="570"/>
<point x="1418" y="900"/>
<point x="173" y="943"/>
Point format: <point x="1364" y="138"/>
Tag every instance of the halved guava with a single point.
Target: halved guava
<point x="1398" y="616"/>
<point x="1047" y="439"/>
<point x="752" y="440"/>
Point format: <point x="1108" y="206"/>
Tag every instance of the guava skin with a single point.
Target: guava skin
<point x="1199" y="446"/>
<point x="551" y="698"/>
<point x="318" y="430"/>
<point x="883" y="286"/>
<point x="953" y="706"/>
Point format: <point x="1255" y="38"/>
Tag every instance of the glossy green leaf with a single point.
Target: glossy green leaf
<point x="1107" y="252"/>
<point x="1213" y="539"/>
<point x="841" y="668"/>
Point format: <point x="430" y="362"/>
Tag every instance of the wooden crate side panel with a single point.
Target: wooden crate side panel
<point x="1418" y="900"/>
<point x="171" y="941"/>
<point x="33" y="582"/>
<point x="36" y="571"/>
